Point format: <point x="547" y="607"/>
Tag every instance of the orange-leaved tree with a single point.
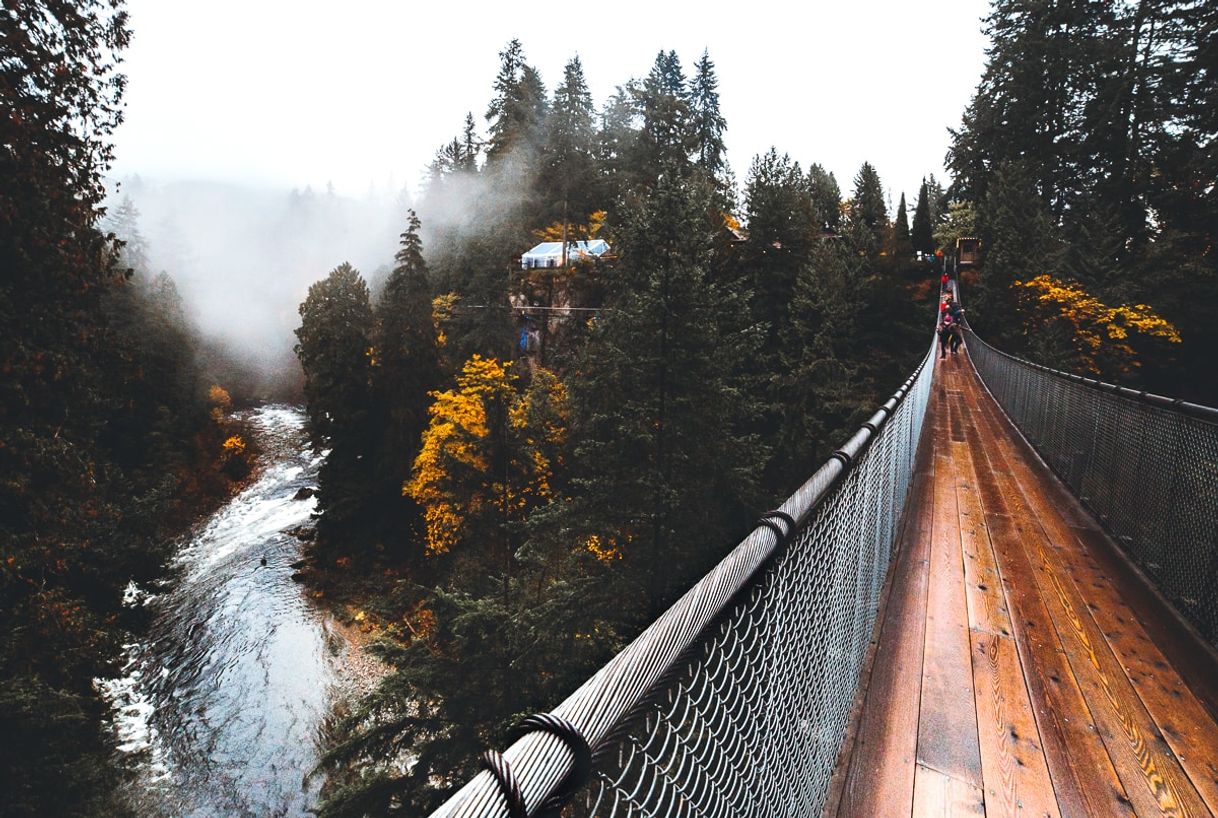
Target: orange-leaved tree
<point x="1075" y="329"/>
<point x="488" y="454"/>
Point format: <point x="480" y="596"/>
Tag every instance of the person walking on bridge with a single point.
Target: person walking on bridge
<point x="946" y="327"/>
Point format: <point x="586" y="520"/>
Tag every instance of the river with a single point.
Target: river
<point x="218" y="709"/>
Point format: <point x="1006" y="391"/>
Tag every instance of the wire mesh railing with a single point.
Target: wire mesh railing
<point x="1145" y="466"/>
<point x="736" y="700"/>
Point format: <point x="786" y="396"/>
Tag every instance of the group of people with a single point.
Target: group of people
<point x="950" y="314"/>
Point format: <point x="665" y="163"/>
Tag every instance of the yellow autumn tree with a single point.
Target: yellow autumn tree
<point x="1103" y="336"/>
<point x="489" y="454"/>
<point x="575" y="232"/>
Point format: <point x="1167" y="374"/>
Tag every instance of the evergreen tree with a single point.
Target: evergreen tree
<point x="1023" y="242"/>
<point x="900" y="231"/>
<point x="826" y="198"/>
<point x="334" y="347"/>
<point x="936" y="200"/>
<point x="617" y="142"/>
<point x="868" y="213"/>
<point x="782" y="229"/>
<point x="509" y="113"/>
<point x="407" y="370"/>
<point x="922" y="233"/>
<point x="666" y="472"/>
<point x="818" y="393"/>
<point x="96" y="382"/>
<point x="707" y="123"/>
<point x="569" y="170"/>
<point x="124" y="223"/>
<point x="665" y="139"/>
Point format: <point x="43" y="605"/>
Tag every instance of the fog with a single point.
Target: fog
<point x="243" y="257"/>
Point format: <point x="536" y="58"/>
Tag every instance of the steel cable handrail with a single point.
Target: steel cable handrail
<point x="1144" y="465"/>
<point x="746" y="682"/>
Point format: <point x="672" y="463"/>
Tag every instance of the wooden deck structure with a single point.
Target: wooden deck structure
<point x="1021" y="666"/>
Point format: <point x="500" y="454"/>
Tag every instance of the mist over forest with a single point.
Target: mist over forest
<point x="243" y="257"/>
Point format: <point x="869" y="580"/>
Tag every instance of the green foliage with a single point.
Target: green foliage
<point x="783" y="225"/>
<point x="106" y="446"/>
<point x="921" y="235"/>
<point x="901" y="243"/>
<point x="406" y="369"/>
<point x="335" y="350"/>
<point x="715" y="365"/>
<point x="826" y="198"/>
<point x="665" y="140"/>
<point x="568" y="176"/>
<point x="1104" y="113"/>
<point x="868" y="213"/>
<point x="707" y="123"/>
<point x="666" y="470"/>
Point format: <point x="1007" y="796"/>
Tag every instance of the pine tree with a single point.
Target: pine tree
<point x="819" y="390"/>
<point x="826" y="198"/>
<point x="782" y="229"/>
<point x="569" y="170"/>
<point x="922" y="233"/>
<point x="407" y="370"/>
<point x="334" y="347"/>
<point x="617" y="142"/>
<point x="470" y="146"/>
<point x="508" y="111"/>
<point x="665" y="139"/>
<point x="666" y="471"/>
<point x="868" y="213"/>
<point x="1024" y="242"/>
<point x="707" y="123"/>
<point x="124" y="223"/>
<point x="900" y="231"/>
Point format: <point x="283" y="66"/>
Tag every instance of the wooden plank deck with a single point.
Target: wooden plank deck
<point x="1022" y="667"/>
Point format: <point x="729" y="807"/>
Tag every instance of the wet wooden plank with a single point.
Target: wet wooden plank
<point x="1195" y="661"/>
<point x="1151" y="775"/>
<point x="947" y="730"/>
<point x="1084" y="778"/>
<point x="937" y="795"/>
<point x="1168" y="731"/>
<point x="987" y="606"/>
<point x="1014" y="770"/>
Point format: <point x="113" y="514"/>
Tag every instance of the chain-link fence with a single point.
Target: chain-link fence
<point x="1146" y="466"/>
<point x="735" y="701"/>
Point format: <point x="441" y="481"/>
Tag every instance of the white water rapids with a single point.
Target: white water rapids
<point x="218" y="708"/>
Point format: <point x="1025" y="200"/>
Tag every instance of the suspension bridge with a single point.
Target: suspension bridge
<point x="998" y="598"/>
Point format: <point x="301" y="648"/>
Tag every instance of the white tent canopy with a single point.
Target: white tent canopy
<point x="549" y="253"/>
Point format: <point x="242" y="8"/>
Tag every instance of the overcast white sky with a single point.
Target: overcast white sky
<point x="299" y="92"/>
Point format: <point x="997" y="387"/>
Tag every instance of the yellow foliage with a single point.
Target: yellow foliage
<point x="1099" y="329"/>
<point x="441" y="313"/>
<point x="221" y="402"/>
<point x="575" y="232"/>
<point x="605" y="551"/>
<point x="452" y="478"/>
<point x="218" y="397"/>
<point x="234" y="446"/>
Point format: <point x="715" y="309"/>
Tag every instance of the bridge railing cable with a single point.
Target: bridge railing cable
<point x="1144" y="465"/>
<point x="735" y="701"/>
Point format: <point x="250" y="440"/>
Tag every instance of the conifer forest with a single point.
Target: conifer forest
<point x="502" y="469"/>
